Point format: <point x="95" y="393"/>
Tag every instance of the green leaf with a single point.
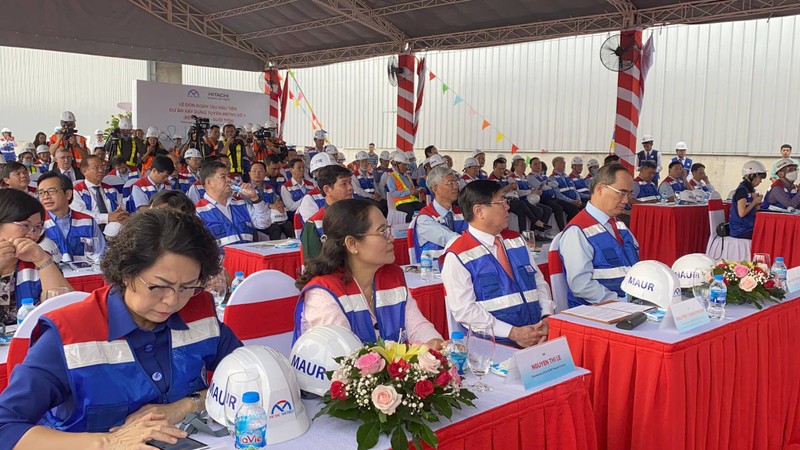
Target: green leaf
<point x="429" y="436"/>
<point x="443" y="407"/>
<point x="417" y="443"/>
<point x="381" y="417"/>
<point x="367" y="435"/>
<point x="399" y="439"/>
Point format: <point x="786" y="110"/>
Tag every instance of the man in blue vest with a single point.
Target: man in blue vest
<point x="67" y="228"/>
<point x="686" y="162"/>
<point x="648" y="154"/>
<point x="440" y="221"/>
<point x="100" y="200"/>
<point x="580" y="183"/>
<point x="335" y="183"/>
<point x="488" y="273"/>
<point x="565" y="191"/>
<point x="783" y="192"/>
<point x="644" y="190"/>
<point x="596" y="248"/>
<point x="673" y="183"/>
<point x="156" y="180"/>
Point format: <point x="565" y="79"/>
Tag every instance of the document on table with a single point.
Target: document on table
<point x="607" y="312"/>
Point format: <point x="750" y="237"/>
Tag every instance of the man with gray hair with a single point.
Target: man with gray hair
<point x="440" y="221"/>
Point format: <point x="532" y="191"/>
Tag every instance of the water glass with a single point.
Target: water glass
<point x="763" y="260"/>
<point x="238" y="383"/>
<point x="55" y="292"/>
<point x="480" y="353"/>
<point x="700" y="285"/>
<point x="530" y="238"/>
<point x="91" y="250"/>
<point x="218" y="288"/>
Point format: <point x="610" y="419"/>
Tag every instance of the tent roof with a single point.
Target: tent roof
<point x="250" y="34"/>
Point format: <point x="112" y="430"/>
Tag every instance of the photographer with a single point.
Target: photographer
<point x="67" y="137"/>
<point x="236" y="150"/>
<point x="123" y="143"/>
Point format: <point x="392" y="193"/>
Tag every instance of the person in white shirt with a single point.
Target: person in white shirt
<point x="100" y="200"/>
<point x="488" y="273"/>
<point x="293" y="191"/>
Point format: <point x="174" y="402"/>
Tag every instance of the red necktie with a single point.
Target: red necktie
<point x="502" y="258"/>
<point x="613" y="222"/>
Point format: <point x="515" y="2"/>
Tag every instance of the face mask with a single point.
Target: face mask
<point x="594" y="171"/>
<point x="792" y="176"/>
<point x="27" y="163"/>
<point x="413" y="165"/>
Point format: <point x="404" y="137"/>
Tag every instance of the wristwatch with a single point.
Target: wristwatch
<point x="199" y="404"/>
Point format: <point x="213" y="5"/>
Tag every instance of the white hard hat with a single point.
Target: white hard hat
<point x="319" y="135"/>
<point x="501" y="156"/>
<point x="686" y="197"/>
<point x="248" y="126"/>
<point x="477" y="152"/>
<point x="177" y="136"/>
<point x="42" y="149"/>
<point x="681" y="146"/>
<point x="471" y="162"/>
<point x="2" y="159"/>
<point x="27" y="148"/>
<point x="517" y="157"/>
<point x="385" y="155"/>
<point x="686" y="266"/>
<point x="435" y="161"/>
<point x="5" y="130"/>
<point x="67" y="116"/>
<point x="653" y="282"/>
<point x="593" y="162"/>
<point x="270" y="124"/>
<point x="576" y="160"/>
<point x="99" y="131"/>
<point x="784" y="163"/>
<point x="319" y="161"/>
<point x="192" y="153"/>
<point x="647" y="138"/>
<point x="751" y="167"/>
<point x="152" y="132"/>
<point x="314" y="352"/>
<point x="280" y="393"/>
<point x="341" y="157"/>
<point x="400" y="157"/>
<point x="125" y="124"/>
<point x="331" y="149"/>
<point x="361" y="156"/>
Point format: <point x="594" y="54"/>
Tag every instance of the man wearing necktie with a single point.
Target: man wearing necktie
<point x="100" y="200"/>
<point x="65" y="165"/>
<point x="439" y="221"/>
<point x="596" y="248"/>
<point x="488" y="274"/>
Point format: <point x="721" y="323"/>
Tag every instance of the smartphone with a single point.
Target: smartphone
<point x="182" y="444"/>
<point x="81" y="264"/>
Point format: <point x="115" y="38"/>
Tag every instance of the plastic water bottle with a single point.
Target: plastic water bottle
<point x="457" y="351"/>
<point x="27" y="306"/>
<point x="237" y="281"/>
<point x="426" y="266"/>
<point x="251" y="423"/>
<point x="717" y="297"/>
<point x="778" y="270"/>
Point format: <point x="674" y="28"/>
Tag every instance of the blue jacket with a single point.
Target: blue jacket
<point x="227" y="232"/>
<point x="71" y="246"/>
<point x="459" y="226"/>
<point x="565" y="185"/>
<point x="647" y="190"/>
<point x="740" y="226"/>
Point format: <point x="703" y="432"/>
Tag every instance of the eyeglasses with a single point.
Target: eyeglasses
<point x="622" y="194"/>
<point x="48" y="192"/>
<point x="27" y="228"/>
<point x="453" y="183"/>
<point x="163" y="291"/>
<point x="386" y="233"/>
<point x="504" y="201"/>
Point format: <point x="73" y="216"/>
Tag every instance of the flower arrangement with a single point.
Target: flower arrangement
<point x="391" y="388"/>
<point x="748" y="282"/>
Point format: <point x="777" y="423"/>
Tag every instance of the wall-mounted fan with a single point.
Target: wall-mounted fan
<point x="393" y="71"/>
<point x="619" y="53"/>
<point x="266" y="83"/>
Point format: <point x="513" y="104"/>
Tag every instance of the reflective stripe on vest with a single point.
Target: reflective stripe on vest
<point x="401" y="186"/>
<point x="70" y="246"/>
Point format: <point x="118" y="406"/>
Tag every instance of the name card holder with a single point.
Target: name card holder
<point x="541" y="364"/>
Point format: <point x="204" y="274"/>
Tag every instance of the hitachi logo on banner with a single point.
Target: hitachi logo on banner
<point x="218" y="95"/>
<point x="641" y="284"/>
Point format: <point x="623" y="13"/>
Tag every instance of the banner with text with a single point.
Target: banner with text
<point x="170" y="107"/>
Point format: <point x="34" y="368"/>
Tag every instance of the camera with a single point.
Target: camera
<point x="201" y="124"/>
<point x="263" y="134"/>
<point x="68" y="132"/>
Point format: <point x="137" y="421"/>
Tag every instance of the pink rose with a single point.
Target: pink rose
<point x="339" y="374"/>
<point x="386" y="399"/>
<point x="747" y="284"/>
<point x="455" y="377"/>
<point x="370" y="363"/>
<point x="740" y="271"/>
<point x="429" y="363"/>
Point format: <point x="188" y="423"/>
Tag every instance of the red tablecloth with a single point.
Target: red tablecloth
<point x="734" y="387"/>
<point x="238" y="260"/>
<point x="665" y="233"/>
<point x="87" y="283"/>
<point x="559" y="418"/>
<point x="779" y="235"/>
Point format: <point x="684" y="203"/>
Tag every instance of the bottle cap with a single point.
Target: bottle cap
<point x="456" y="335"/>
<point x="718" y="277"/>
<point x="26" y="301"/>
<point x="779" y="259"/>
<point x="239" y="274"/>
<point x="251" y="397"/>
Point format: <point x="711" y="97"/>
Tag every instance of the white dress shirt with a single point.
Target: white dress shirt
<point x="461" y="292"/>
<point x="307" y="208"/>
<point x="430" y="230"/>
<point x="112" y="228"/>
<point x="139" y="197"/>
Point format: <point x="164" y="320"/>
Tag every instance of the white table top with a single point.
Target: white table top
<point x="670" y="205"/>
<point x="72" y="273"/>
<point x="332" y="433"/>
<point x="650" y="330"/>
<point x="266" y="249"/>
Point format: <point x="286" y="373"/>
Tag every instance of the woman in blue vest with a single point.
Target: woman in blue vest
<point x="354" y="282"/>
<point x="746" y="200"/>
<point x="120" y="368"/>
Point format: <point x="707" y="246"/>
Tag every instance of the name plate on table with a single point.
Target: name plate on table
<point x="541" y="363"/>
<point x="793" y="279"/>
<point x="688" y="315"/>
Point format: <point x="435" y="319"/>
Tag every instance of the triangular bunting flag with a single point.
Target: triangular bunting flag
<point x="300" y="96"/>
<point x="458" y="100"/>
<point x="500" y="137"/>
<point x="313" y="116"/>
<point x="444" y="88"/>
<point x="472" y="112"/>
<point x="514" y="149"/>
<point x="291" y="73"/>
<point x="296" y="103"/>
<point x="485" y="125"/>
<point x="291" y="96"/>
<point x="431" y="75"/>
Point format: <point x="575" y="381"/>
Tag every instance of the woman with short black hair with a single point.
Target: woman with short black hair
<point x="121" y="367"/>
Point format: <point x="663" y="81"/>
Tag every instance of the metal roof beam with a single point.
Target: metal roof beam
<point x="627" y="9"/>
<point x="180" y="14"/>
<point x="687" y="13"/>
<point x="337" y="20"/>
<point x="247" y="9"/>
<point x="363" y="14"/>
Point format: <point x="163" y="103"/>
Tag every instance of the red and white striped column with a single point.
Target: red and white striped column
<point x="272" y="86"/>
<point x="284" y="100"/>
<point x="405" y="103"/>
<point x="629" y="101"/>
<point x="422" y="77"/>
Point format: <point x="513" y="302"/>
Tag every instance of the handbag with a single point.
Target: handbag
<point x="723" y="230"/>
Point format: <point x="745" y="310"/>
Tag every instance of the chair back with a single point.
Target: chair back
<point x="127" y="198"/>
<point x="21" y="341"/>
<point x="114" y="180"/>
<point x="558" y="282"/>
<point x="412" y="251"/>
<point x="297" y="224"/>
<point x="262" y="305"/>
